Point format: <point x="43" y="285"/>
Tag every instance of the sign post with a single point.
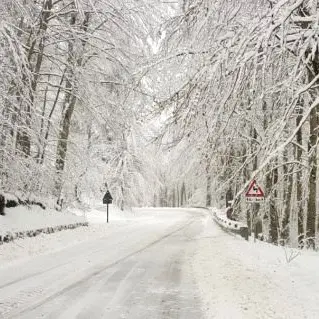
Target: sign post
<point x="107" y="199"/>
<point x="254" y="195"/>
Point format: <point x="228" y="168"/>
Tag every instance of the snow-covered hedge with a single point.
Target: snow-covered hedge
<point x="230" y="225"/>
<point x="11" y="236"/>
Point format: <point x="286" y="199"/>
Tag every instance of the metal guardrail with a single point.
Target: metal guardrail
<point x="229" y="225"/>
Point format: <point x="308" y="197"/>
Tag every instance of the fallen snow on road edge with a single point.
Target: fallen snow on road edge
<point x="239" y="279"/>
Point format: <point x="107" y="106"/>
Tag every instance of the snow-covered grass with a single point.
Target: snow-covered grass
<point x="22" y="218"/>
<point x="240" y="279"/>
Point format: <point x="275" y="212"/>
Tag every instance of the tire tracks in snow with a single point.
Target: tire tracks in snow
<point x="39" y="273"/>
<point x="16" y="313"/>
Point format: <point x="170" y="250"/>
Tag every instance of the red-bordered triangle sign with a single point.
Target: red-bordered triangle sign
<point x="254" y="190"/>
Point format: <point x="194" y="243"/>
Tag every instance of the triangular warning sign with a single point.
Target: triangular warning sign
<point x="254" y="190"/>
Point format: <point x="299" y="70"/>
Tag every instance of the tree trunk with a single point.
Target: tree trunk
<point x="47" y="132"/>
<point x="293" y="218"/>
<point x="312" y="148"/>
<point x="271" y="181"/>
<point x="208" y="190"/>
<point x="312" y="183"/>
<point x="155" y="200"/>
<point x="183" y="194"/>
<point x="173" y="197"/>
<point x="287" y="198"/>
<point x="229" y="197"/>
<point x="298" y="154"/>
<point x="178" y="196"/>
<point x="62" y="146"/>
<point x="23" y="135"/>
<point x="68" y="107"/>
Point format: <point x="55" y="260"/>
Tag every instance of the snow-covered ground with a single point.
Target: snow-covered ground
<point x="246" y="280"/>
<point x="98" y="214"/>
<point x="155" y="263"/>
<point x="27" y="248"/>
<point x="126" y="269"/>
<point x="22" y="218"/>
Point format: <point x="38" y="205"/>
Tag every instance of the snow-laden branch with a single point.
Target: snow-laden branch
<point x="280" y="148"/>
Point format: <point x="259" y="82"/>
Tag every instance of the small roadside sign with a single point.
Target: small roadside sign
<point x="107" y="199"/>
<point x="254" y="193"/>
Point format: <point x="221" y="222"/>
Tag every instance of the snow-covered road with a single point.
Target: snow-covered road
<point x="161" y="264"/>
<point x="139" y="271"/>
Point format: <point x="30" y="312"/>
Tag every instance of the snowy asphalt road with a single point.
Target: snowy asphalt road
<point x="141" y="271"/>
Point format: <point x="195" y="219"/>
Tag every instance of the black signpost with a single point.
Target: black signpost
<point x="107" y="199"/>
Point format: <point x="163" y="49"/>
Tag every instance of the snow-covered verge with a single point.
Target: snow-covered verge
<point x="30" y="221"/>
<point x="23" y="218"/>
<point x="228" y="224"/>
<point x="11" y="236"/>
<point x="245" y="280"/>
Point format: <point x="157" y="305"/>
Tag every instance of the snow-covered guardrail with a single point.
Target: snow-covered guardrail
<point x="230" y="225"/>
<point x="11" y="236"/>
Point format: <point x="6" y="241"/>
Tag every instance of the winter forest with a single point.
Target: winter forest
<point x="169" y="103"/>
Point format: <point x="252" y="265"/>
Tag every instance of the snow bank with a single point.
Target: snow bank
<point x="240" y="279"/>
<point x="24" y="218"/>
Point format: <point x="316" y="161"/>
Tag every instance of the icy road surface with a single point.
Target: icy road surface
<point x="142" y="270"/>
